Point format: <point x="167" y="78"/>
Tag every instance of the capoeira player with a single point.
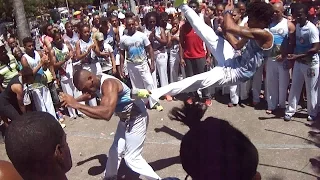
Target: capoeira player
<point x="132" y="127"/>
<point x="255" y="39"/>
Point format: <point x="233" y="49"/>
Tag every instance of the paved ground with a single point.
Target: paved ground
<point x="288" y="150"/>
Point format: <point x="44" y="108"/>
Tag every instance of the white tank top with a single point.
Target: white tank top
<point x="84" y="46"/>
<point x="33" y="62"/>
<point x="126" y="106"/>
<point x="72" y="40"/>
<point x="280" y="33"/>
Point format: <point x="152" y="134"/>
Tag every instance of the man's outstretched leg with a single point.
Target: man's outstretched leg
<point x="218" y="46"/>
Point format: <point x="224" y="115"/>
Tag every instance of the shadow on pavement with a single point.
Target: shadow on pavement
<point x="289" y="169"/>
<point x="123" y="173"/>
<point x="96" y="170"/>
<point x="169" y="131"/>
<point x="164" y="163"/>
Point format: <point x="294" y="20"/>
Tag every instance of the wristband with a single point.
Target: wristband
<point x="228" y="12"/>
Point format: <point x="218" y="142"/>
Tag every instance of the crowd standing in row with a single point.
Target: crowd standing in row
<point x="87" y="60"/>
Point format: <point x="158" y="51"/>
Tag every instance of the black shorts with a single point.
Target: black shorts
<point x="8" y="110"/>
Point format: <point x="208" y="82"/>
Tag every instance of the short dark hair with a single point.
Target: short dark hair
<point x="27" y="40"/>
<point x="214" y="149"/>
<point x="31" y="140"/>
<point x="194" y="2"/>
<point x="45" y="27"/>
<point x="129" y="14"/>
<point x="261" y="11"/>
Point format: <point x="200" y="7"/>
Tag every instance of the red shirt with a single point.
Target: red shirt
<point x="193" y="45"/>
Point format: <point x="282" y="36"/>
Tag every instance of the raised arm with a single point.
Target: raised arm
<point x="110" y="89"/>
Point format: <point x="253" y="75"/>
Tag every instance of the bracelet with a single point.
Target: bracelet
<point x="228" y="12"/>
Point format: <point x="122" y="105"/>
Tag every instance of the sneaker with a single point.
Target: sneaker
<point x="208" y="102"/>
<point x="141" y="93"/>
<point x="311" y="118"/>
<point x="178" y="3"/>
<point x="158" y="107"/>
<point x="287" y="118"/>
<point x="62" y="125"/>
<point x="231" y="105"/>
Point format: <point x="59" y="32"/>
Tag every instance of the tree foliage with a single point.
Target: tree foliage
<point x="38" y="7"/>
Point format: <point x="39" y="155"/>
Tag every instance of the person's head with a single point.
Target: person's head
<point x="290" y="18"/>
<point x="114" y="21"/>
<point x="169" y="5"/>
<point x="4" y="58"/>
<point x="85" y="81"/>
<point x="175" y="23"/>
<point x="194" y="4"/>
<point x="164" y="17"/>
<point x="210" y="11"/>
<point x="242" y="8"/>
<point x="28" y="45"/>
<point x="219" y="9"/>
<point x="278" y="11"/>
<point x="8" y="172"/>
<point x="27" y="75"/>
<point x="85" y="32"/>
<point x="96" y="20"/>
<point x="47" y="29"/>
<point x="99" y="38"/>
<point x="300" y="13"/>
<point x="40" y="149"/>
<point x="68" y="27"/>
<point x="129" y="14"/>
<point x="151" y="20"/>
<point x="236" y="15"/>
<point x="213" y="148"/>
<point x="12" y="42"/>
<point x="260" y="15"/>
<point x="57" y="39"/>
<point x="130" y="25"/>
<point x="104" y="25"/>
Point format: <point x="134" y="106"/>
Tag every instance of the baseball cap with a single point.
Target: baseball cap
<point x="99" y="36"/>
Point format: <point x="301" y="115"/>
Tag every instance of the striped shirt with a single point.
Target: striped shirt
<point x="8" y="71"/>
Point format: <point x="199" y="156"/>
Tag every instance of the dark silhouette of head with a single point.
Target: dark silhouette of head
<point x="214" y="149"/>
<point x="36" y="145"/>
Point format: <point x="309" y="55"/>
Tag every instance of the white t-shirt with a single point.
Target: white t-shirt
<point x="305" y="37"/>
<point x="171" y="10"/>
<point x="135" y="47"/>
<point x="106" y="64"/>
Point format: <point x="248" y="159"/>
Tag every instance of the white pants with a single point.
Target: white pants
<point x="220" y="49"/>
<point x="161" y="59"/>
<point x="277" y="82"/>
<point x="241" y="90"/>
<point x="140" y="76"/>
<point x="96" y="69"/>
<point x="68" y="88"/>
<point x="304" y="73"/>
<point x="256" y="84"/>
<point x="174" y="61"/>
<point x="43" y="101"/>
<point x="128" y="144"/>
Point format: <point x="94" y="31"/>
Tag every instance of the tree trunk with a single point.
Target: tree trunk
<point x="133" y="5"/>
<point x="21" y="20"/>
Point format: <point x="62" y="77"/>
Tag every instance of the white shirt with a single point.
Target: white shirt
<point x="171" y="10"/>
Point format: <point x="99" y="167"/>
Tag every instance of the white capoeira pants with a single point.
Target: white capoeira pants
<point x="140" y="76"/>
<point x="220" y="49"/>
<point x="256" y="84"/>
<point x="69" y="88"/>
<point x="174" y="62"/>
<point x="43" y="101"/>
<point x="277" y="82"/>
<point x="161" y="59"/>
<point x="128" y="144"/>
<point x="308" y="74"/>
<point x="96" y="69"/>
<point x="240" y="91"/>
